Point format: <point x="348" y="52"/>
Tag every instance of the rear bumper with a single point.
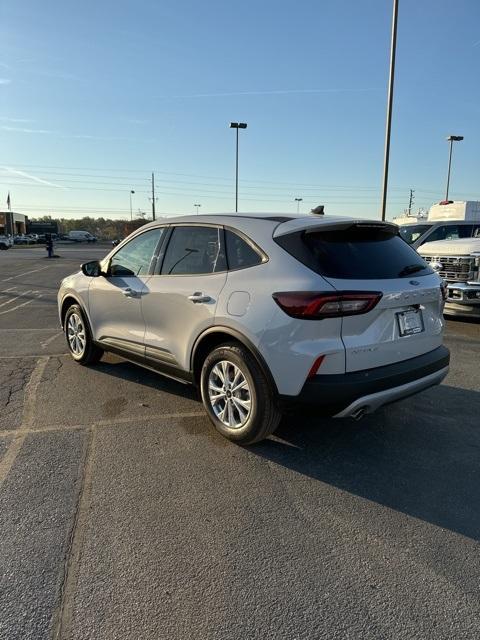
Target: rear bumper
<point x="359" y="392"/>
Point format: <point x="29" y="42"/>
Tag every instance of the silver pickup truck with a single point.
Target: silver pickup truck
<point x="458" y="263"/>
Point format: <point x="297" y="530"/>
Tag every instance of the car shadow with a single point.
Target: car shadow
<point x="420" y="456"/>
<point x="117" y="367"/>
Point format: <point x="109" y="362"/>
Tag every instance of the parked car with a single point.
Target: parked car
<point x="262" y="311"/>
<point x="81" y="236"/>
<point x="5" y="242"/>
<point x="458" y="263"/>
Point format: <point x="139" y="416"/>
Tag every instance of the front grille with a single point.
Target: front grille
<point x="453" y="268"/>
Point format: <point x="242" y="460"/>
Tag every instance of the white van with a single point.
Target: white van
<point x="81" y="236"/>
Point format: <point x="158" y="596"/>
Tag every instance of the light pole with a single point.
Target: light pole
<point x="197" y="206"/>
<point x="393" y="47"/>
<point x="131" y="213"/>
<point x="298" y="200"/>
<point x="451" y="139"/>
<point x="237" y="126"/>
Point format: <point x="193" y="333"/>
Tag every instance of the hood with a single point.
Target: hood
<point x="463" y="247"/>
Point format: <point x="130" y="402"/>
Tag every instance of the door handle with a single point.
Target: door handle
<point x="130" y="293"/>
<point x="199" y="297"/>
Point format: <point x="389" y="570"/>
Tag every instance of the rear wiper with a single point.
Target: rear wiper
<point x="411" y="268"/>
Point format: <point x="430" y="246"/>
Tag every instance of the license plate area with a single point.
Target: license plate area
<point x="410" y="322"/>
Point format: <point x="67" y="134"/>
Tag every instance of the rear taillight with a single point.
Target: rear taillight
<point x="308" y="305"/>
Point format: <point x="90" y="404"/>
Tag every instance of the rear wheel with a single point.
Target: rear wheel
<point x="79" y="338"/>
<point x="237" y="395"/>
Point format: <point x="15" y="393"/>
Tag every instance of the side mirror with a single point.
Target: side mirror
<point x="91" y="269"/>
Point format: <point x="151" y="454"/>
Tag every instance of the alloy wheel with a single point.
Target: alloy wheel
<point x="229" y="394"/>
<point x="76" y="334"/>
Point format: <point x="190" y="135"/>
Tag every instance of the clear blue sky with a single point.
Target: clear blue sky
<point x="94" y="95"/>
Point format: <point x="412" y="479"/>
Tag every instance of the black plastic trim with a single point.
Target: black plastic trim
<point x="335" y="392"/>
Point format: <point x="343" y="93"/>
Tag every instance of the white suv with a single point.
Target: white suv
<point x="260" y="311"/>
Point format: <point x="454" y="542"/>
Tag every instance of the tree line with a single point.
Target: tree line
<point x="102" y="228"/>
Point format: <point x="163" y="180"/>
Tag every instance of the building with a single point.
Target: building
<point x="49" y="226"/>
<point x="12" y="223"/>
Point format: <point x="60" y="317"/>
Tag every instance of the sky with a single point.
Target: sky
<point x="96" y="95"/>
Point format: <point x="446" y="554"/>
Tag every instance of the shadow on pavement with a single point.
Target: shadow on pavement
<point x="420" y="457"/>
<point x="114" y="366"/>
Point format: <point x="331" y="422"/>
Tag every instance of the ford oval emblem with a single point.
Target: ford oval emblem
<point x="436" y="266"/>
<point x="414" y="282"/>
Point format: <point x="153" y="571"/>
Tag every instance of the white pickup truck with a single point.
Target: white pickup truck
<point x="5" y="242"/>
<point x="458" y="263"/>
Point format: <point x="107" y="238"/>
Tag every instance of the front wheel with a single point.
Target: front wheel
<point x="79" y="338"/>
<point x="237" y="395"/>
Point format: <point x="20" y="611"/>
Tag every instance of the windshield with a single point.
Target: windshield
<point x="412" y="232"/>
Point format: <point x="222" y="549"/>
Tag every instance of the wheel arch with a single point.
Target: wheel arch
<point x="215" y="336"/>
<point x="67" y="302"/>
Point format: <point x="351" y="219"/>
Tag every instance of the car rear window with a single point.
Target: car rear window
<point x="356" y="252"/>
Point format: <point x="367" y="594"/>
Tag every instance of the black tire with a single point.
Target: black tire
<point x="90" y="353"/>
<point x="263" y="416"/>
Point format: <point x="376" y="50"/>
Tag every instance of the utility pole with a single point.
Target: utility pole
<point x="153" y="196"/>
<point x="393" y="47"/>
<point x="410" y="202"/>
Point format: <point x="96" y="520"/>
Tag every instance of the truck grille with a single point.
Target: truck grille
<point x="453" y="268"/>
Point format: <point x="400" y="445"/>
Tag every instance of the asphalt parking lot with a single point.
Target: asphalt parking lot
<point x="123" y="515"/>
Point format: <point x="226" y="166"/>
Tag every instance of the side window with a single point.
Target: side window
<point x="240" y="254"/>
<point x="476" y="231"/>
<point x="135" y="257"/>
<point x="194" y="250"/>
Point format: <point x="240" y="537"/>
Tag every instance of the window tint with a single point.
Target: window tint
<point x="135" y="257"/>
<point x="355" y="253"/>
<point x="412" y="232"/>
<point x="194" y="250"/>
<point x="240" y="254"/>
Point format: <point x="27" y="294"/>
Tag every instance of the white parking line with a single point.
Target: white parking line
<point x="45" y="343"/>
<point x="19" y="306"/>
<point x="16" y="297"/>
<point x="19" y="275"/>
<point x="30" y="395"/>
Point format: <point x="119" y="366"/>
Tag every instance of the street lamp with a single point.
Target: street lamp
<point x="298" y="200"/>
<point x="237" y="126"/>
<point x="197" y="206"/>
<point x="451" y="139"/>
<point x="131" y="214"/>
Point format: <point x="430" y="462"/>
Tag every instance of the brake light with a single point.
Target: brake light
<point x="308" y="305"/>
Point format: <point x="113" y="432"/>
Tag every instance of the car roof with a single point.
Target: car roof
<point x="282" y="222"/>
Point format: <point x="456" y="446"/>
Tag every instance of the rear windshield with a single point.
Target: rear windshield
<point x="355" y="253"/>
<point x="412" y="232"/>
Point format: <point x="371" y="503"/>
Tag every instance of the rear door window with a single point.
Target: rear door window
<point x="194" y="250"/>
<point x="356" y="252"/>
